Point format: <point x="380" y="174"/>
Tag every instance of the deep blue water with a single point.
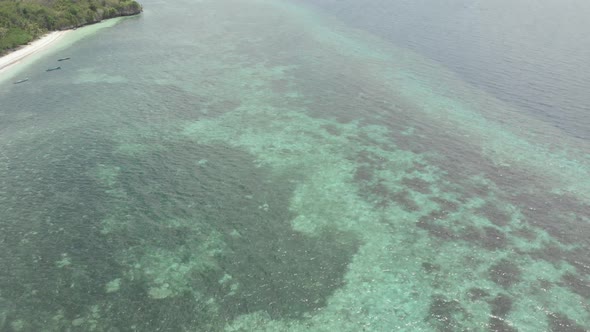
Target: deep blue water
<point x="533" y="54"/>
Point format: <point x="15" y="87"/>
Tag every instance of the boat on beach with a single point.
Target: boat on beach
<point x="52" y="69"/>
<point x="21" y="81"/>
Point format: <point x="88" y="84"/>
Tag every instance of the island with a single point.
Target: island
<point x="22" y="21"/>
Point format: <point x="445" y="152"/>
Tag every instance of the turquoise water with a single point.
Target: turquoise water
<point x="259" y="165"/>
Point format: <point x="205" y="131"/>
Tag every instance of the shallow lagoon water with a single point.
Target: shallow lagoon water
<point x="260" y="166"/>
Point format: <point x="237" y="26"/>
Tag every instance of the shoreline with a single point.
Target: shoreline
<point x="13" y="58"/>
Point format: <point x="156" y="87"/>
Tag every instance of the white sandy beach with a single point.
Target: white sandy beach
<point x="30" y="49"/>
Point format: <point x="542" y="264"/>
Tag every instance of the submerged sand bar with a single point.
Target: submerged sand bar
<point x="30" y="49"/>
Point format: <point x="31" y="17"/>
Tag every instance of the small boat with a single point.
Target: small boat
<point x="63" y="59"/>
<point x="52" y="69"/>
<point x="21" y="81"/>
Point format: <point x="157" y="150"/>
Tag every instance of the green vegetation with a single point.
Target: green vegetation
<point x="24" y="20"/>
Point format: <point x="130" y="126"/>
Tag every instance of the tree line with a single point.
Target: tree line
<point x="21" y="21"/>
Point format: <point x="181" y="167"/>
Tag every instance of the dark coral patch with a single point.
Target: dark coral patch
<point x="497" y="324"/>
<point x="525" y="233"/>
<point x="286" y="275"/>
<point x="477" y="294"/>
<point x="505" y="273"/>
<point x="562" y="323"/>
<point x="580" y="259"/>
<point x="417" y="184"/>
<point x="404" y="200"/>
<point x="545" y="285"/>
<point x="227" y="201"/>
<point x="577" y="284"/>
<point x="501" y="305"/>
<point x="331" y="129"/>
<point x="419" y="166"/>
<point x="280" y="86"/>
<point x="445" y="205"/>
<point x="489" y="237"/>
<point x="369" y="158"/>
<point x="430" y="267"/>
<point x="555" y="214"/>
<point x="221" y="107"/>
<point x="494" y="214"/>
<point x="363" y="174"/>
<point x="382" y="196"/>
<point x="436" y="230"/>
<point x="446" y="315"/>
<point x="280" y="271"/>
<point x="550" y="253"/>
<point x="562" y="217"/>
<point x="493" y="238"/>
<point x="380" y="193"/>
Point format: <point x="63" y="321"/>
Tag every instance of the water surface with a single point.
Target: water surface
<point x="265" y="166"/>
<point x="531" y="54"/>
